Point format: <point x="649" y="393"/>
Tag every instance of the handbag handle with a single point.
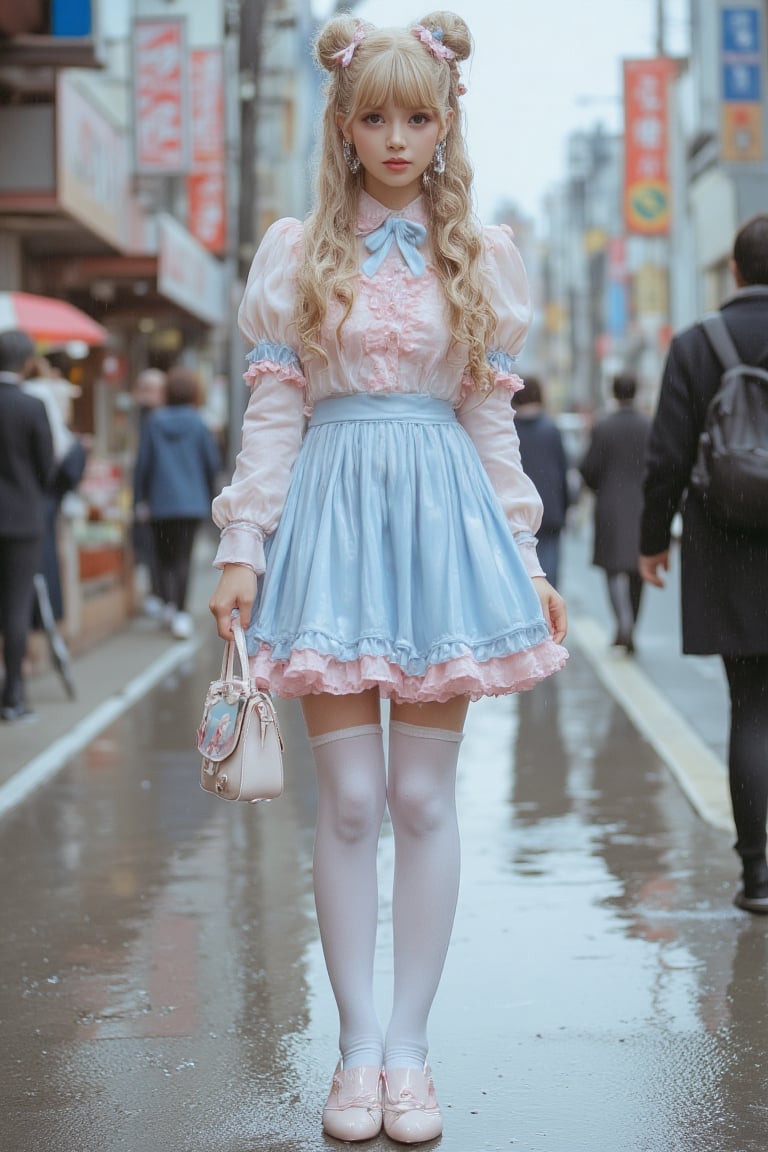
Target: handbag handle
<point x="231" y="647"/>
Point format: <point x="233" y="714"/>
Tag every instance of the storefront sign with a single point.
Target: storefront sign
<point x="206" y="184"/>
<point x="187" y="273"/>
<point x="741" y="84"/>
<point x="93" y="170"/>
<point x="646" y="139"/>
<point x="160" y="96"/>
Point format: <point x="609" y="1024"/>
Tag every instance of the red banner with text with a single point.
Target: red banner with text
<point x="646" y="146"/>
<point x="206" y="183"/>
<point x="160" y="91"/>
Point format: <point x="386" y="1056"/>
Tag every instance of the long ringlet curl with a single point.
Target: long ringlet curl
<point x="392" y="62"/>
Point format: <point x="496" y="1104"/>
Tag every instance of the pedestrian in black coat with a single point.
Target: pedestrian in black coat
<point x="26" y="467"/>
<point x="542" y="454"/>
<point x="613" y="469"/>
<point x="723" y="572"/>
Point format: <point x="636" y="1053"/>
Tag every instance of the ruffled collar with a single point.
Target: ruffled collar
<point x="371" y="214"/>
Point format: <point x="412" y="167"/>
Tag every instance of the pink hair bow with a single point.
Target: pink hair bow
<point x="433" y="41"/>
<point x="344" y="56"/>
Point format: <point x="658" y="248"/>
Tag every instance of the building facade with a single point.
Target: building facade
<point x="141" y="202"/>
<point x="722" y="146"/>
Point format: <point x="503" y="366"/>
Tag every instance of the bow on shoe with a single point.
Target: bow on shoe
<point x="409" y="236"/>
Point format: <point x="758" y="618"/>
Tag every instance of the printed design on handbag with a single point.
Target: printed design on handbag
<point x="223" y="713"/>
<point x="220" y="727"/>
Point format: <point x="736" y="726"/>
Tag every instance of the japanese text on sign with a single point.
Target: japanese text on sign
<point x="741" y="84"/>
<point x="206" y="185"/>
<point x="160" y="96"/>
<point x="646" y="177"/>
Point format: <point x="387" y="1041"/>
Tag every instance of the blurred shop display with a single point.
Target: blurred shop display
<point x="100" y="527"/>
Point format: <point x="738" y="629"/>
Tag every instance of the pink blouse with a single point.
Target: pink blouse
<point x="396" y="339"/>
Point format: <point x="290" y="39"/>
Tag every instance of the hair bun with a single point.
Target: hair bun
<point x="333" y="38"/>
<point x="455" y="33"/>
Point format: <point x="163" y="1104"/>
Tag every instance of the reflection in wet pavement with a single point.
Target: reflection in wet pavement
<point x="162" y="985"/>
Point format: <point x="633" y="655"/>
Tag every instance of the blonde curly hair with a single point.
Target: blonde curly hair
<point x="391" y="63"/>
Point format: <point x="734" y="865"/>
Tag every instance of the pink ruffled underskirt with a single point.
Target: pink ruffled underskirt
<point x="308" y="673"/>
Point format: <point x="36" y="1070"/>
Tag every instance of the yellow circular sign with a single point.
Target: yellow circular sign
<point x="648" y="206"/>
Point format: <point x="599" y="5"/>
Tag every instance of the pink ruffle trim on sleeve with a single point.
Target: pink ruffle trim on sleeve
<point x="308" y="673"/>
<point x="509" y="380"/>
<point x="286" y="373"/>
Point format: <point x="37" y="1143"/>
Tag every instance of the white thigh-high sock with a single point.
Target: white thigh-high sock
<point x="351" y="799"/>
<point x="421" y="793"/>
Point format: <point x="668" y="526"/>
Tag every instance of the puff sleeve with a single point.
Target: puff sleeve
<point x="489" y="419"/>
<point x="249" y="508"/>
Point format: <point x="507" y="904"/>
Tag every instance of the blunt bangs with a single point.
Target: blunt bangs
<point x="403" y="77"/>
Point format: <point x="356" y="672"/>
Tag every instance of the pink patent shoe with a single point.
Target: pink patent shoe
<point x="411" y="1110"/>
<point x="353" y="1108"/>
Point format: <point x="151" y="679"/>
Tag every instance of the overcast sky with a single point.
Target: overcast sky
<point x="541" y="69"/>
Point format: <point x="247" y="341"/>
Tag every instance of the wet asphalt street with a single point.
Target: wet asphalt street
<point x="162" y="987"/>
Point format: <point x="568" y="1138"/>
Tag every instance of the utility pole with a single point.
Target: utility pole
<point x="660" y="43"/>
<point x="252" y="16"/>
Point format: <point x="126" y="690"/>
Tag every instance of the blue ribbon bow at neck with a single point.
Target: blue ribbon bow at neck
<point x="409" y="236"/>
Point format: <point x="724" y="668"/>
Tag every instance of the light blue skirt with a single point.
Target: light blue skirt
<point x="393" y="565"/>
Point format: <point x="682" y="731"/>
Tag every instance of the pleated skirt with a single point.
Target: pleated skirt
<point x="393" y="565"/>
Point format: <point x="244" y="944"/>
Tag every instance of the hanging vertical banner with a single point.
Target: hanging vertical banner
<point x="741" y="84"/>
<point x="646" y="142"/>
<point x="160" y="96"/>
<point x="616" y="287"/>
<point x="206" y="183"/>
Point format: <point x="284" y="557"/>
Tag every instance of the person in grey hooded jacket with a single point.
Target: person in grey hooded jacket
<point x="175" y="480"/>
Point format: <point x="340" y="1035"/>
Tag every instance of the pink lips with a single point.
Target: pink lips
<point x="396" y="165"/>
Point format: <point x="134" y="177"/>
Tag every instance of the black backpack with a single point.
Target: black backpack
<point x="731" y="470"/>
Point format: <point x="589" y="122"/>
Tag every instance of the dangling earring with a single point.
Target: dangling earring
<point x="438" y="161"/>
<point x="351" y="157"/>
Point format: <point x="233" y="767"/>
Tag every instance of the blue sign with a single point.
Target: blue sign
<point x="741" y="82"/>
<point x="741" y="31"/>
<point x="742" y="65"/>
<point x="616" y="308"/>
<point x="71" y="17"/>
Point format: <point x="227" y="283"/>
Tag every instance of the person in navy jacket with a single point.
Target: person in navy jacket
<point x="543" y="458"/>
<point x="176" y="470"/>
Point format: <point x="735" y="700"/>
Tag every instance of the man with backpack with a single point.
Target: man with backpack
<point x="724" y="557"/>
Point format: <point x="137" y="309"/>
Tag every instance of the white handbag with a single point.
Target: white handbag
<point x="238" y="738"/>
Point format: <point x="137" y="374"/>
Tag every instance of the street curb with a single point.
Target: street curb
<point x="42" y="767"/>
<point x="701" y="775"/>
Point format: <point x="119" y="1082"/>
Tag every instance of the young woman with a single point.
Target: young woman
<point x="395" y="532"/>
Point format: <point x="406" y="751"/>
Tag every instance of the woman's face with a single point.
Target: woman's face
<point x="395" y="145"/>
